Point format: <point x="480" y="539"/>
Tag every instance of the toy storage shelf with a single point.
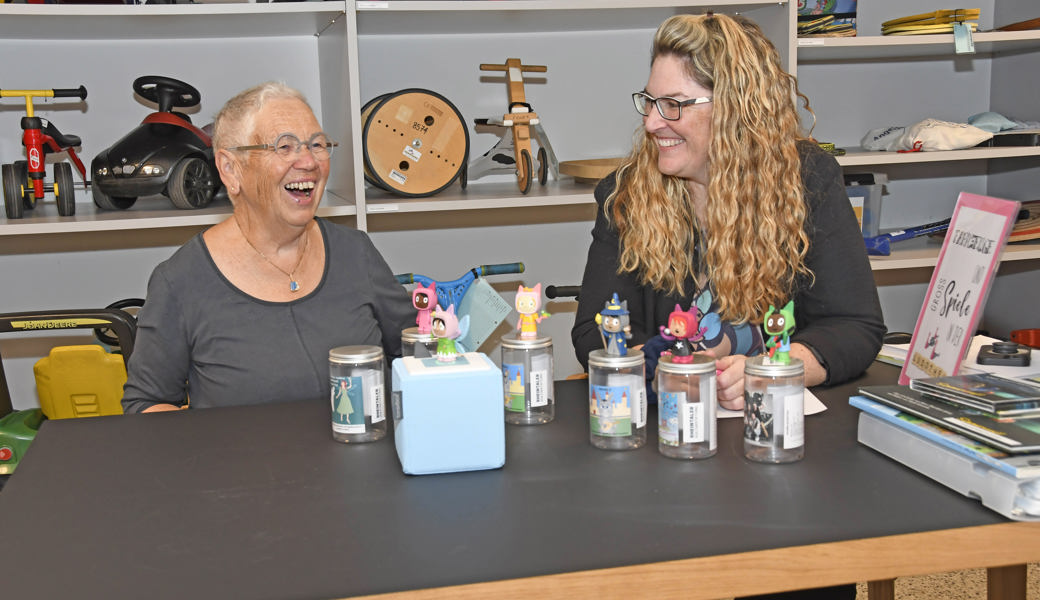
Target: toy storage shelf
<point x="147" y="213"/>
<point x="924" y="253"/>
<point x="878" y="47"/>
<point x="483" y="196"/>
<point x="858" y="157"/>
<point x="165" y="21"/>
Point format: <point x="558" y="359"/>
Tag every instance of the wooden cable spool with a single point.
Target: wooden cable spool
<point x="415" y="142"/>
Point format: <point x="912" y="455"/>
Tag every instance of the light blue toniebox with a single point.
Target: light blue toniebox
<point x="448" y="416"/>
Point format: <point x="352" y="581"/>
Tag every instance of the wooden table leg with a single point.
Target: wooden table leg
<point x="1006" y="583"/>
<point x="884" y="589"/>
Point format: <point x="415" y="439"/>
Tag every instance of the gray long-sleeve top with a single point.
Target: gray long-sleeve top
<point x="199" y="335"/>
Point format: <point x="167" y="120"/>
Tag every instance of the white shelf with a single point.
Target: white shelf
<point x="924" y="253"/>
<point x="484" y="196"/>
<point x="886" y="47"/>
<point x="859" y="157"/>
<point x="147" y="213"/>
<point x="107" y="22"/>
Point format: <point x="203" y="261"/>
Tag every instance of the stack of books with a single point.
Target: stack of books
<point x="978" y="434"/>
<point x="833" y="18"/>
<point x="940" y="21"/>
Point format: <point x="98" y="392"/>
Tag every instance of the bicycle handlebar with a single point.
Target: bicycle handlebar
<point x="501" y="269"/>
<point x="528" y="68"/>
<point x="80" y="92"/>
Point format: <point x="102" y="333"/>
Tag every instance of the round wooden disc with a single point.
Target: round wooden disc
<point x="366" y="111"/>
<point x="1029" y="227"/>
<point x="415" y="142"/>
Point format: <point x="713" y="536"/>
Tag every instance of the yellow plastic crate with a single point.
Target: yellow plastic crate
<point x="80" y="381"/>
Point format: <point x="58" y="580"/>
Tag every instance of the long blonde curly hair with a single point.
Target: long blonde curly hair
<point x="755" y="242"/>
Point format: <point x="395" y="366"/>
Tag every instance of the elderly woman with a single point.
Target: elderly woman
<point x="724" y="205"/>
<point x="247" y="311"/>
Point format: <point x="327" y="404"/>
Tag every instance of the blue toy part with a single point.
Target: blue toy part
<point x="450" y="293"/>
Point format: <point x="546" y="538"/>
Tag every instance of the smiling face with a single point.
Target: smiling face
<point x="287" y="189"/>
<point x="683" y="144"/>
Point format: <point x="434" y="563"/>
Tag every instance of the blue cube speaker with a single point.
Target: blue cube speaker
<point x="448" y="416"/>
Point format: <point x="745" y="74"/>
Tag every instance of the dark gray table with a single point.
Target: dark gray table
<point x="259" y="502"/>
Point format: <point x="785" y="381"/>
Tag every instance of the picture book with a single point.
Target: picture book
<point x="1012" y="435"/>
<point x="826" y="18"/>
<point x="1020" y="466"/>
<point x="994" y="394"/>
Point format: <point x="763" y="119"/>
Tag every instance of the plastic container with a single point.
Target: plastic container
<point x="686" y="404"/>
<point x="357" y="393"/>
<point x="864" y="192"/>
<point x="617" y="400"/>
<point x="774" y="410"/>
<point x="527" y="374"/>
<point x="411" y="336"/>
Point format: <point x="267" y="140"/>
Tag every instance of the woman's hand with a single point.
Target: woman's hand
<point x="729" y="380"/>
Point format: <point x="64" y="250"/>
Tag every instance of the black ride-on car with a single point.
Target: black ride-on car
<point x="166" y="154"/>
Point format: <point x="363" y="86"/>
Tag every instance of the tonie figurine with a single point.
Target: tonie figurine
<point x="528" y="301"/>
<point x="778" y="326"/>
<point x="423" y="299"/>
<point x="614" y="327"/>
<point x="683" y="332"/>
<point x="447" y="329"/>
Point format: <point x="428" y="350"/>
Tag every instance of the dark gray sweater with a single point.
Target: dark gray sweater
<point x="198" y="335"/>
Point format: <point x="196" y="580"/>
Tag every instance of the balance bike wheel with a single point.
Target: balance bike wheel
<point x="12" y="192"/>
<point x="415" y="142"/>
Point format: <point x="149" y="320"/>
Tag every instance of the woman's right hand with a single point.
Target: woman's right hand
<point x="729" y="379"/>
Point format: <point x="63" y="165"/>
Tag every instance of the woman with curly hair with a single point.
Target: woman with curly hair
<point x="724" y="205"/>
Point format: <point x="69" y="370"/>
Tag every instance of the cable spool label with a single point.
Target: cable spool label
<point x="412" y="153"/>
<point x="398" y="176"/>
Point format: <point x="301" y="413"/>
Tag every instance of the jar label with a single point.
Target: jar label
<point x="539" y="388"/>
<point x="514" y="387"/>
<point x="348" y="404"/>
<point x="668" y="413"/>
<point x="794" y="420"/>
<point x="610" y="410"/>
<point x="775" y="417"/>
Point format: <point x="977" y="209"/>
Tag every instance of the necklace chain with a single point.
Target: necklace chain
<point x="294" y="286"/>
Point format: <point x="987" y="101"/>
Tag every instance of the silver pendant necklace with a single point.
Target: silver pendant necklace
<point x="294" y="286"/>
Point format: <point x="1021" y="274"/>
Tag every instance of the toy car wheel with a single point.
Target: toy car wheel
<point x="192" y="183"/>
<point x="64" y="189"/>
<point x="21" y="169"/>
<point x="543" y="166"/>
<point x="103" y="200"/>
<point x="524" y="172"/>
<point x="12" y="192"/>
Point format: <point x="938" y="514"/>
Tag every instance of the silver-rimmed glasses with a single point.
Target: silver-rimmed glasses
<point x="288" y="146"/>
<point x="669" y="108"/>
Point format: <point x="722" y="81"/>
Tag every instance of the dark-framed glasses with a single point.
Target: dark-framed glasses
<point x="669" y="108"/>
<point x="287" y="146"/>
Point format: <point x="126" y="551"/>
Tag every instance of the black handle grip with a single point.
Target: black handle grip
<point x="562" y="291"/>
<point x="80" y="92"/>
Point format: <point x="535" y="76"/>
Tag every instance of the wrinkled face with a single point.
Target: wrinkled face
<point x="286" y="188"/>
<point x="421" y="301"/>
<point x="677" y="326"/>
<point x="611" y="324"/>
<point x="682" y="145"/>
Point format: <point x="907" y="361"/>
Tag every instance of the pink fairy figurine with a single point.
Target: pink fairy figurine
<point x="528" y="301"/>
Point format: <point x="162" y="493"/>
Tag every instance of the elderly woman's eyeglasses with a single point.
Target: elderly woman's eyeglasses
<point x="288" y="146"/>
<point x="669" y="108"/>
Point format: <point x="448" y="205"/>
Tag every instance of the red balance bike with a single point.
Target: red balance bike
<point x="23" y="181"/>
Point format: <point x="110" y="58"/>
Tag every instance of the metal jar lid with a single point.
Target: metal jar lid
<point x="355" y="354"/>
<point x="700" y="365"/>
<point x="515" y="342"/>
<point x="600" y="358"/>
<point x="763" y="366"/>
<point x="412" y="335"/>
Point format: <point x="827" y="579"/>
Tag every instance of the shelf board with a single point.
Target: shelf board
<point x="147" y="213"/>
<point x="887" y="47"/>
<point x="483" y="196"/>
<point x="408" y="17"/>
<point x="859" y="157"/>
<point x="166" y="21"/>
<point x="924" y="253"/>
